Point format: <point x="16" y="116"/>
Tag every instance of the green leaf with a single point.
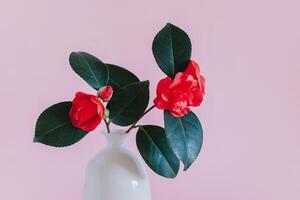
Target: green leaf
<point x="129" y="103"/>
<point x="54" y="127"/>
<point x="120" y="77"/>
<point x="172" y="49"/>
<point x="155" y="150"/>
<point x="90" y="69"/>
<point x="185" y="136"/>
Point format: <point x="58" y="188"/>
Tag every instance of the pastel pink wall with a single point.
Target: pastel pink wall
<point x="249" y="52"/>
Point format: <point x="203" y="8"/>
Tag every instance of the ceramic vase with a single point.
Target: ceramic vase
<point x="116" y="173"/>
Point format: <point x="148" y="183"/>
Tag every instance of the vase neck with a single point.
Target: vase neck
<point x="116" y="138"/>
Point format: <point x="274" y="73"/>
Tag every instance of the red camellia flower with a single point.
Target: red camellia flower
<point x="187" y="89"/>
<point x="105" y="93"/>
<point x="87" y="111"/>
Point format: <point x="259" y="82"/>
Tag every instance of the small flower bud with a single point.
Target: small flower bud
<point x="105" y="93"/>
<point x="106" y="115"/>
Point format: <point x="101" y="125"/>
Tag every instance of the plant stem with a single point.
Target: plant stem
<point x="107" y="125"/>
<point x="134" y="125"/>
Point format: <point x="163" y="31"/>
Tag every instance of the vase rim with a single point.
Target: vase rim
<point x="116" y="137"/>
<point x="115" y="131"/>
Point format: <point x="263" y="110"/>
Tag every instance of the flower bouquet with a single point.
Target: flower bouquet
<point x="122" y="99"/>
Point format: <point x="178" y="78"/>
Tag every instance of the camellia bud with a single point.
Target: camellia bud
<point x="106" y="115"/>
<point x="105" y="93"/>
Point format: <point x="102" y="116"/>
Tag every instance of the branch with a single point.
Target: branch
<point x="134" y="125"/>
<point x="107" y="125"/>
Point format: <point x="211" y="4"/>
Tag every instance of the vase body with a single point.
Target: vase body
<point x="116" y="173"/>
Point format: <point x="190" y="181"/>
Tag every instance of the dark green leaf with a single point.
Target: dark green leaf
<point x="129" y="103"/>
<point x="120" y="77"/>
<point x="54" y="127"/>
<point x="154" y="148"/>
<point x="90" y="69"/>
<point x="172" y="49"/>
<point x="185" y="136"/>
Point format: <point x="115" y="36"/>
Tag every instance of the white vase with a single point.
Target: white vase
<point x="116" y="173"/>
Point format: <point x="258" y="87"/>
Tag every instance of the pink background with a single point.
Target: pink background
<point x="249" y="52"/>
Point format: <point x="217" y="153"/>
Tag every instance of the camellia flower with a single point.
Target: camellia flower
<point x="86" y="112"/>
<point x="105" y="93"/>
<point x="187" y="89"/>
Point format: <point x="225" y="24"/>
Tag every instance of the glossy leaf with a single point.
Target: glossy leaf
<point x="90" y="69"/>
<point x="185" y="136"/>
<point x="54" y="127"/>
<point x="129" y="103"/>
<point x="120" y="77"/>
<point x="155" y="150"/>
<point x="172" y="49"/>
